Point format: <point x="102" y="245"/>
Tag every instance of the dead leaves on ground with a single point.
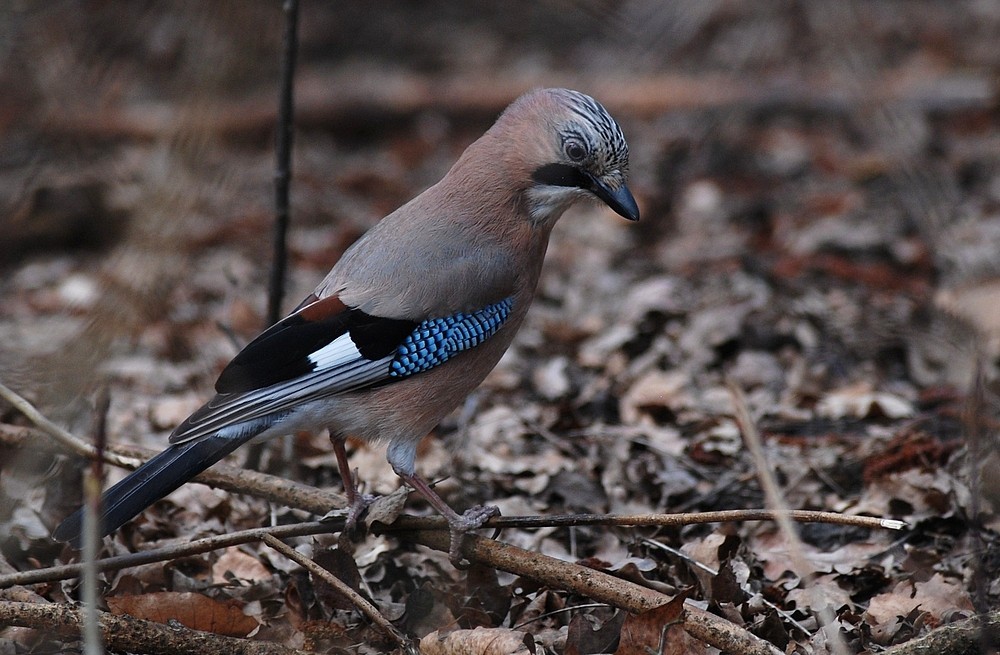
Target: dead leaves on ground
<point x="195" y="611"/>
<point x="834" y="258"/>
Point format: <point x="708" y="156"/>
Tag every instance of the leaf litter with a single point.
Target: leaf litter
<point x="836" y="263"/>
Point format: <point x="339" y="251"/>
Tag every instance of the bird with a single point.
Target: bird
<point x="411" y="318"/>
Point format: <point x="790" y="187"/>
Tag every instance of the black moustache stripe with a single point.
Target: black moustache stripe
<point x="561" y="175"/>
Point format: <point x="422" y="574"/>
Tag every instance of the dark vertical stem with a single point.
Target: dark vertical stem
<point x="283" y="165"/>
<point x="282" y="182"/>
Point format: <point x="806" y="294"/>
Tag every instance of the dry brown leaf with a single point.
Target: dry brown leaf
<point x="704" y="551"/>
<point x="480" y="641"/>
<point x="772" y="550"/>
<point x="940" y="597"/>
<point x="192" y="610"/>
<point x="387" y="507"/>
<point x="656" y="389"/>
<point x="343" y="567"/>
<point x="821" y="591"/>
<point x="234" y="563"/>
<point x="642" y="633"/>
<point x="582" y="638"/>
<point x="924" y="492"/>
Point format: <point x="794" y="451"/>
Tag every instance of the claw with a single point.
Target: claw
<point x="357" y="502"/>
<point x="472" y="519"/>
<point x="353" y="526"/>
<point x="458" y="525"/>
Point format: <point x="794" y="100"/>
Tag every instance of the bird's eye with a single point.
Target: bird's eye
<point x="575" y="151"/>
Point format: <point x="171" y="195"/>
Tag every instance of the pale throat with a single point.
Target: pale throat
<point x="546" y="203"/>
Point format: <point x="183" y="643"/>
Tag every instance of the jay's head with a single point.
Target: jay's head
<point x="573" y="149"/>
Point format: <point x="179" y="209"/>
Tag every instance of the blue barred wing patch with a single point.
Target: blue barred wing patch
<point x="436" y="340"/>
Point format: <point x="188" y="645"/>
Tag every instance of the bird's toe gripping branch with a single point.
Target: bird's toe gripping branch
<point x="458" y="524"/>
<point x="472" y="519"/>
<point x="357" y="502"/>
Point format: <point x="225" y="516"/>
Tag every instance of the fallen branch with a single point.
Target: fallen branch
<point x="405" y="524"/>
<point x="18" y="594"/>
<point x="221" y="476"/>
<point x="594" y="584"/>
<point x="561" y="575"/>
<point x="598" y="586"/>
<point x="125" y="633"/>
<point x="979" y="634"/>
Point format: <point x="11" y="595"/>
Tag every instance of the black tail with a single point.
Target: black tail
<point x="150" y="482"/>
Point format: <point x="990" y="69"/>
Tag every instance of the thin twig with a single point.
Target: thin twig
<point x="63" y="436"/>
<point x="973" y="429"/>
<point x="92" y="482"/>
<point x="975" y="434"/>
<point x="775" y="500"/>
<point x="356" y="599"/>
<point x="428" y="523"/>
<point x="166" y="553"/>
<point x="652" y="520"/>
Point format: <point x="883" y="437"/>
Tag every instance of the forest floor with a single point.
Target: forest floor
<point x="819" y="244"/>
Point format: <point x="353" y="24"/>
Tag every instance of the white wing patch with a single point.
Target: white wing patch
<point x="338" y="352"/>
<point x="238" y="409"/>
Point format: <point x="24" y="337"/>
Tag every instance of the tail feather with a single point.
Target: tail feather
<point x="150" y="482"/>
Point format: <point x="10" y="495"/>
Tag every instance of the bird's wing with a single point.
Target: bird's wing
<point x="444" y="263"/>
<point x="320" y="334"/>
<point x="325" y="348"/>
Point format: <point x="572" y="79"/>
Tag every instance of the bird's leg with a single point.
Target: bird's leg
<point x="357" y="502"/>
<point x="458" y="525"/>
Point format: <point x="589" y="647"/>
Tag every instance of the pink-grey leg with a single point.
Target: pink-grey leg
<point x="458" y="525"/>
<point x="357" y="502"/>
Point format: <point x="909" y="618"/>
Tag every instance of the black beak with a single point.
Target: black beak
<point x="620" y="199"/>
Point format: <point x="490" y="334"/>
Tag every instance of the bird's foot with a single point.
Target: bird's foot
<point x="458" y="526"/>
<point x="353" y="526"/>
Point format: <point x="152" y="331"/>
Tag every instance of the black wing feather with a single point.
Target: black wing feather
<point x="282" y="351"/>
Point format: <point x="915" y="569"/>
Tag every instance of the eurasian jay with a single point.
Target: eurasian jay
<point x="412" y="317"/>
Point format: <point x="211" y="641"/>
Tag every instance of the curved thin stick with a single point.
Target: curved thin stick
<point x="356" y="599"/>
